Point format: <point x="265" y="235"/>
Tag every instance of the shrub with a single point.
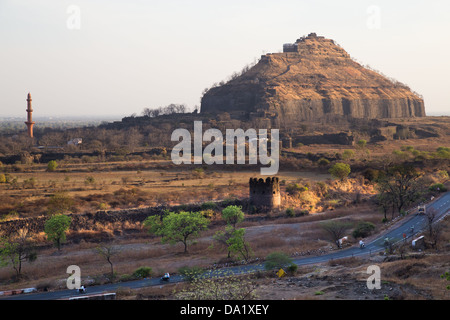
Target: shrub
<point x="190" y="273"/>
<point x="323" y="162"/>
<point x="294" y="188"/>
<point x="277" y="260"/>
<point x="52" y="165"/>
<point x="209" y="206"/>
<point x="348" y="154"/>
<point x="363" y="229"/>
<point x="362" y="143"/>
<point x="340" y="171"/>
<point x="2" y="178"/>
<point x="371" y="174"/>
<point x="89" y="180"/>
<point x="438" y="187"/>
<point x="408" y="148"/>
<point x="292" y="268"/>
<point x="443" y="152"/>
<point x="321" y="188"/>
<point x="142" y="272"/>
<point x="303" y="212"/>
<point x="443" y="174"/>
<point x="290" y="212"/>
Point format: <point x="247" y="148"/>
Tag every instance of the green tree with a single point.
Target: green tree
<point x="363" y="229"/>
<point x="277" y="260"/>
<point x="233" y="215"/>
<point x="16" y="250"/>
<point x="222" y="237"/>
<point x="238" y="245"/>
<point x="52" y="165"/>
<point x="340" y="171"/>
<point x="55" y="228"/>
<point x="177" y="227"/>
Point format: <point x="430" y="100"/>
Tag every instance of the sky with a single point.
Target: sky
<point x="111" y="57"/>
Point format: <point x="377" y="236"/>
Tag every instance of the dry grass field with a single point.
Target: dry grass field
<point x="99" y="185"/>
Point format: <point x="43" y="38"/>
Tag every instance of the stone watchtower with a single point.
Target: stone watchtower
<point x="265" y="193"/>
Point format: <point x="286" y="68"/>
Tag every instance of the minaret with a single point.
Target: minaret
<point x="30" y="123"/>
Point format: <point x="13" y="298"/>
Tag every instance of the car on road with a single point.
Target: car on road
<point x="422" y="210"/>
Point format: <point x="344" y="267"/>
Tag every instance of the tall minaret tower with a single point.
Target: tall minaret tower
<point x="30" y="123"/>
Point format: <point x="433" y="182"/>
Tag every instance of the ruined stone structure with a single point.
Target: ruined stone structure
<point x="30" y="123"/>
<point x="265" y="193"/>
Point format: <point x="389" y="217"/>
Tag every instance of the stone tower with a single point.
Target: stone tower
<point x="265" y="193"/>
<point x="30" y="123"/>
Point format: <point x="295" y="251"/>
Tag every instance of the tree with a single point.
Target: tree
<point x="401" y="185"/>
<point x="108" y="252"/>
<point x="177" y="227"/>
<point x="222" y="238"/>
<point x="385" y="201"/>
<point x="232" y="238"/>
<point x="336" y="230"/>
<point x="16" y="250"/>
<point x="52" y="165"/>
<point x="340" y="171"/>
<point x="237" y="244"/>
<point x="233" y="215"/>
<point x="56" y="228"/>
<point x="277" y="260"/>
<point x="363" y="229"/>
<point x="434" y="230"/>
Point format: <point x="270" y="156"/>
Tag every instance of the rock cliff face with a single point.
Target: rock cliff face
<point x="311" y="79"/>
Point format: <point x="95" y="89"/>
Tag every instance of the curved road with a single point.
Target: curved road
<point x="418" y="222"/>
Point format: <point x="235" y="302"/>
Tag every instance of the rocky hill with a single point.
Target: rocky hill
<point x="311" y="79"/>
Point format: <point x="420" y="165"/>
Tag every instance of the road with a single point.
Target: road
<point x="418" y="222"/>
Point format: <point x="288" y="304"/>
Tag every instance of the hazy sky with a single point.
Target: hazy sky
<point x="98" y="57"/>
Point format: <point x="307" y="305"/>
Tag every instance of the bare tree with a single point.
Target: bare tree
<point x="108" y="252"/>
<point x="336" y="230"/>
<point x="400" y="185"/>
<point x="434" y="230"/>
